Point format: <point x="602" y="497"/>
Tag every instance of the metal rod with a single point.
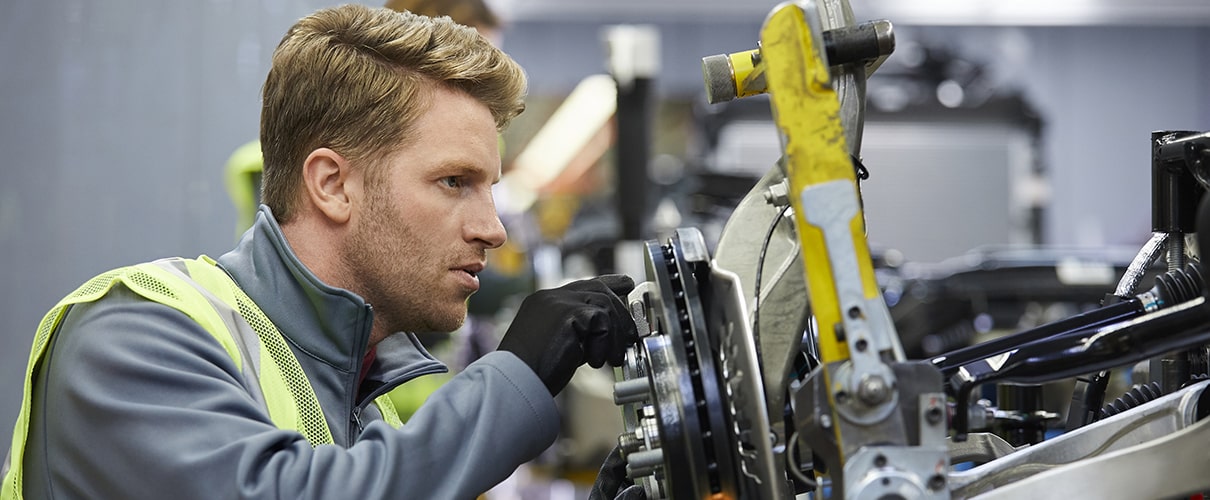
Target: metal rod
<point x="950" y="362"/>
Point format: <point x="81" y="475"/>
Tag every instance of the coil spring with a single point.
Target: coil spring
<point x="1135" y="397"/>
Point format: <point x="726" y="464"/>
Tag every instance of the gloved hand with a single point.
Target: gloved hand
<point x="559" y="329"/>
<point x="612" y="483"/>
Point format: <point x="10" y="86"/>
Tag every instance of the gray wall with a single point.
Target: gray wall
<point x="116" y="118"/>
<point x="1103" y="91"/>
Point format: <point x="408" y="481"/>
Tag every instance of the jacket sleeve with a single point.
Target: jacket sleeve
<point x="135" y="400"/>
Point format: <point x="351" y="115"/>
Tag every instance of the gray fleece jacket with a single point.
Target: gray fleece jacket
<point x="135" y="400"/>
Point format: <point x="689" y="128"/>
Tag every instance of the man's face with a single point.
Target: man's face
<point x="420" y="241"/>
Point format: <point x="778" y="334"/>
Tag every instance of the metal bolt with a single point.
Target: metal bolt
<point x="778" y="194"/>
<point x="825" y="421"/>
<point x="631" y="390"/>
<point x="937" y="482"/>
<point x="1176" y="251"/>
<point x="933" y="415"/>
<point x="880" y="461"/>
<point x="630" y="442"/>
<point x="644" y="463"/>
<point x="873" y="390"/>
<point x="647" y="458"/>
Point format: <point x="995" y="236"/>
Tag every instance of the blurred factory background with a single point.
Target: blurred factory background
<point x="995" y="122"/>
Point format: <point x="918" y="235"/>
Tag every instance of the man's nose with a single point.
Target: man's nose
<point x="489" y="230"/>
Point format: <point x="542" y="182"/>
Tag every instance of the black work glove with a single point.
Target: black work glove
<point x="612" y="483"/>
<point x="559" y="329"/>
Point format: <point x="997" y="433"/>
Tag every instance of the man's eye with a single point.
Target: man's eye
<point x="452" y="181"/>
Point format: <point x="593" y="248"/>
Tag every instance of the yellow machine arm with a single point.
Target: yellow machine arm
<point x="820" y="172"/>
<point x="873" y="417"/>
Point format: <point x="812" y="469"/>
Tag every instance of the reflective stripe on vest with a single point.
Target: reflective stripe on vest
<point x="205" y="293"/>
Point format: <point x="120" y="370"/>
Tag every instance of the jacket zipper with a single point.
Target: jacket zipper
<point x="358" y="409"/>
<point x="357" y="422"/>
<point x="355" y="418"/>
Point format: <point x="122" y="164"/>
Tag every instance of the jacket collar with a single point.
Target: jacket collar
<point x="329" y="324"/>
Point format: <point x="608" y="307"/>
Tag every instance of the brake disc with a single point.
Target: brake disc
<point x="693" y="404"/>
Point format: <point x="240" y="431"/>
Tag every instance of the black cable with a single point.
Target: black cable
<point x="859" y="169"/>
<point x="862" y="174"/>
<point x="812" y="345"/>
<point x="792" y="464"/>
<point x="760" y="268"/>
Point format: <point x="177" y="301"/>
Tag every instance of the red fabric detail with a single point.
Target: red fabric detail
<point x="366" y="363"/>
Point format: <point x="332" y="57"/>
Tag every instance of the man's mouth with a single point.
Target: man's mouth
<point x="472" y="269"/>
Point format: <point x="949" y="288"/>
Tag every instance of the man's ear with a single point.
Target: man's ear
<point x="328" y="182"/>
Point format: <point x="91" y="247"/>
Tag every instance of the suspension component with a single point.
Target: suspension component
<point x="1136" y="396"/>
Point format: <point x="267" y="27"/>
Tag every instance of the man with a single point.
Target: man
<point x="245" y="168"/>
<point x="261" y="374"/>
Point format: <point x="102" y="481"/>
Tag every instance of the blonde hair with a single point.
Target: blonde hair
<point x="354" y="79"/>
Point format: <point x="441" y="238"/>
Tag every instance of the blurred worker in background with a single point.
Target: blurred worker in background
<point x="473" y="13"/>
<point x="261" y="374"/>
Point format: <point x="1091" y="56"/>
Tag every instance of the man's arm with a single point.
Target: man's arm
<point x="138" y="401"/>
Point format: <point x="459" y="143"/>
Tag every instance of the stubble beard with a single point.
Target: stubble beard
<point x="393" y="268"/>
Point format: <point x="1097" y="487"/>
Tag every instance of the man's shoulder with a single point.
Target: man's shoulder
<point x="122" y="320"/>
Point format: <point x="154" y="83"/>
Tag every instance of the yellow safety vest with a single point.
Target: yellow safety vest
<point x="208" y="295"/>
